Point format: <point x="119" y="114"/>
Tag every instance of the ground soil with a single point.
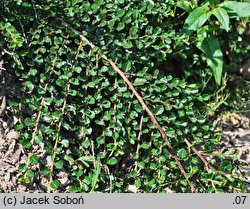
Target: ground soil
<point x="235" y="132"/>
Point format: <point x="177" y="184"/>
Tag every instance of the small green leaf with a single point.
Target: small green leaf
<point x="214" y="3"/>
<point x="44" y="171"/>
<point x="120" y="12"/>
<point x="106" y="104"/>
<point x="42" y="50"/>
<point x="69" y="158"/>
<point x="22" y="167"/>
<point x="135" y="156"/>
<point x="127" y="44"/>
<point x="112" y="161"/>
<point x="151" y="183"/>
<point x="185" y="5"/>
<point x="65" y="142"/>
<point x="74" y="189"/>
<point x="134" y="173"/>
<point x="55" y="184"/>
<point x="201" y="119"/>
<point x="90" y="99"/>
<point x="88" y="131"/>
<point x="159" y="110"/>
<point x="108" y="132"/>
<point x="172" y="117"/>
<point x="33" y="72"/>
<point x="145" y="145"/>
<point x="181" y="123"/>
<point x="78" y="69"/>
<point x="91" y="84"/>
<point x="195" y="161"/>
<point x="139" y="81"/>
<point x="104" y="69"/>
<point x="182" y="154"/>
<point x="86" y="143"/>
<point x="111" y="146"/>
<point x="173" y="164"/>
<point x="153" y="166"/>
<point x="191" y="90"/>
<point x="132" y="31"/>
<point x="24" y="179"/>
<point x="29" y="121"/>
<point x="59" y="164"/>
<point x="184" y="182"/>
<point x="205" y="128"/>
<point x="34" y="159"/>
<point x="120" y="26"/>
<point x="139" y="44"/>
<point x="25" y="143"/>
<point x="107" y="116"/>
<point x="87" y="158"/>
<point x="219" y="190"/>
<point x="141" y="165"/>
<point x="13" y="103"/>
<point x="138" y="183"/>
<point x="157" y="30"/>
<point x="30" y="173"/>
<point x="46" y="118"/>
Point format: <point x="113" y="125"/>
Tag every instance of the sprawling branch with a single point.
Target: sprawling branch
<point x="140" y="99"/>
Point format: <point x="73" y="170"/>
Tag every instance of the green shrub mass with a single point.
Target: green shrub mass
<point x="87" y="118"/>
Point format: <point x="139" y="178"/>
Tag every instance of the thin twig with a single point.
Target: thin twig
<point x="139" y="137"/>
<point x="110" y="179"/>
<point x="61" y="122"/>
<point x="22" y="28"/>
<point x="34" y="9"/>
<point x="42" y="103"/>
<point x="57" y="138"/>
<point x="160" y="101"/>
<point x="85" y="92"/>
<point x="201" y="157"/>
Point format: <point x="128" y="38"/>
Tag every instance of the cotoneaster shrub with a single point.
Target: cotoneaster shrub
<point x="85" y="116"/>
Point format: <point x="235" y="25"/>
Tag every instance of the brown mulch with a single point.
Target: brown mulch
<point x="235" y="132"/>
<point x="11" y="153"/>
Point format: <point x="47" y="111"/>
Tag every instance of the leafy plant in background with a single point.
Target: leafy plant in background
<point x="206" y="40"/>
<point x="96" y="103"/>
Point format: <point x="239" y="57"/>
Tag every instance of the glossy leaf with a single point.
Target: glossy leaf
<point x="211" y="47"/>
<point x="34" y="159"/>
<point x="196" y="19"/>
<point x="139" y="81"/>
<point x="182" y="153"/>
<point x="222" y="16"/>
<point x="55" y="184"/>
<point x="242" y="9"/>
<point x="112" y="161"/>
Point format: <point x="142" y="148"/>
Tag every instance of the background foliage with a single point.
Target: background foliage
<point x="90" y="123"/>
